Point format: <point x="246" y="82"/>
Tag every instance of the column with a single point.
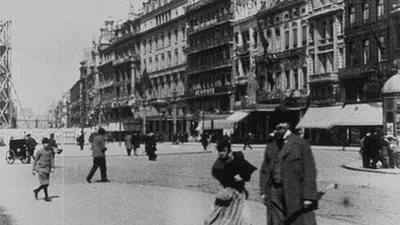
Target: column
<point x="335" y="44"/>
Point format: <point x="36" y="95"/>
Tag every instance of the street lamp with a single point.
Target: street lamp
<point x="174" y="93"/>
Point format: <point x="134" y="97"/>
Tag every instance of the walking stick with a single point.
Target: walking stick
<point x="310" y="208"/>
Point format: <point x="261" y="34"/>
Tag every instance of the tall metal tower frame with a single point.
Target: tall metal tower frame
<point x="6" y="104"/>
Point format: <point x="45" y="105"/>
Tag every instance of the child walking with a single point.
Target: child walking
<point x="43" y="165"/>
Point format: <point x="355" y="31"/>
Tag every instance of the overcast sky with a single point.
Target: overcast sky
<point x="48" y="41"/>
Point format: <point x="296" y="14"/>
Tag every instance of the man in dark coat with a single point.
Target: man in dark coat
<point x="81" y="140"/>
<point x="150" y="146"/>
<point x="30" y="145"/>
<point x="288" y="179"/>
<point x="372" y="145"/>
<point x="204" y="140"/>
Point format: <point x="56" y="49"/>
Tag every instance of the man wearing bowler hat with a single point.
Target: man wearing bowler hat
<point x="288" y="179"/>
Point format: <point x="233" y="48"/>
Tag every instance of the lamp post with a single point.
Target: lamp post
<point x="174" y="93"/>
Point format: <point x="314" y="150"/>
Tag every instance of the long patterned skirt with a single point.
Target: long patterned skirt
<point x="237" y="213"/>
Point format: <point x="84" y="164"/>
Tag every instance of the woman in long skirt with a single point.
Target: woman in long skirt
<point x="232" y="171"/>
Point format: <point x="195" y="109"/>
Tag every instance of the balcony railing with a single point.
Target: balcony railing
<point x="211" y="66"/>
<point x="208" y="45"/>
<point x="288" y="53"/>
<point x="209" y="23"/>
<point x="199" y="4"/>
<point x="133" y="58"/>
<point x="332" y="76"/>
<point x="353" y="72"/>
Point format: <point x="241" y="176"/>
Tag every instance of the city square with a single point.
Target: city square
<point x="214" y="112"/>
<point x="178" y="189"/>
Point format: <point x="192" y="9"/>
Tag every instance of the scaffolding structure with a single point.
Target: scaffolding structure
<point x="7" y="110"/>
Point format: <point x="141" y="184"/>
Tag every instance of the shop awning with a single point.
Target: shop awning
<point x="321" y="117"/>
<point x="237" y="116"/>
<point x="219" y="124"/>
<point x="364" y="114"/>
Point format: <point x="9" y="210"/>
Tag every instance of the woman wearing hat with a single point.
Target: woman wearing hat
<point x="43" y="165"/>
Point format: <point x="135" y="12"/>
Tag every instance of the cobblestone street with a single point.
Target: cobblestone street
<point x="361" y="198"/>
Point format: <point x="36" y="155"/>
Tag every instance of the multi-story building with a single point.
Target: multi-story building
<point x="284" y="95"/>
<point x="116" y="59"/>
<point x="162" y="47"/>
<point x="209" y="57"/>
<point x="371" y="41"/>
<point x="245" y="70"/>
<point x="326" y="55"/>
<point x="75" y="106"/>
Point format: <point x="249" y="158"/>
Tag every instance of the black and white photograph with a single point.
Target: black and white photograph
<point x="200" y="112"/>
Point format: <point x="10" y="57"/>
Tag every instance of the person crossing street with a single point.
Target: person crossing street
<point x="43" y="165"/>
<point x="99" y="157"/>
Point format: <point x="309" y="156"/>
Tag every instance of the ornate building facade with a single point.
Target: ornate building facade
<point x="326" y="55"/>
<point x="163" y="43"/>
<point x="283" y="64"/>
<point x="209" y="90"/>
<point x="370" y="44"/>
<point x="246" y="78"/>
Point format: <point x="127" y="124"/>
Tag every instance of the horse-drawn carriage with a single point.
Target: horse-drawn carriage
<point x="17" y="151"/>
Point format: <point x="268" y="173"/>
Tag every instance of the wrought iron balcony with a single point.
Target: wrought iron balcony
<point x="199" y="4"/>
<point x="132" y="58"/>
<point x="208" y="67"/>
<point x="296" y="52"/>
<point x="208" y="45"/>
<point x="210" y="23"/>
<point x="374" y="68"/>
<point x="322" y="77"/>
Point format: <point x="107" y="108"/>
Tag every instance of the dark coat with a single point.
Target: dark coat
<point x="225" y="172"/>
<point x="31" y="143"/>
<point x="372" y="145"/>
<point x="150" y="144"/>
<point x="298" y="176"/>
<point x="136" y="141"/>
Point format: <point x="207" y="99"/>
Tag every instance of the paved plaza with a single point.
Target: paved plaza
<point x="178" y="189"/>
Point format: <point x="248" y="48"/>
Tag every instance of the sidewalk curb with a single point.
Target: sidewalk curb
<point x="369" y="170"/>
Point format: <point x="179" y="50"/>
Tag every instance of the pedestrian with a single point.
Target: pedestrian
<point x="43" y="165"/>
<point x="372" y="146"/>
<point x="232" y="171"/>
<point x="387" y="151"/>
<point x="30" y="145"/>
<point x="99" y="156"/>
<point x="363" y="152"/>
<point x="128" y="144"/>
<point x="53" y="144"/>
<point x="81" y="140"/>
<point x="288" y="179"/>
<point x="136" y="143"/>
<point x="247" y="142"/>
<point x="150" y="146"/>
<point x="204" y="141"/>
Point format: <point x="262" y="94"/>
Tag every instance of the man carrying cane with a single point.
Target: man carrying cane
<point x="288" y="179"/>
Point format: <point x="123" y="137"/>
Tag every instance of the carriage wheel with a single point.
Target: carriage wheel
<point x="24" y="159"/>
<point x="10" y="156"/>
